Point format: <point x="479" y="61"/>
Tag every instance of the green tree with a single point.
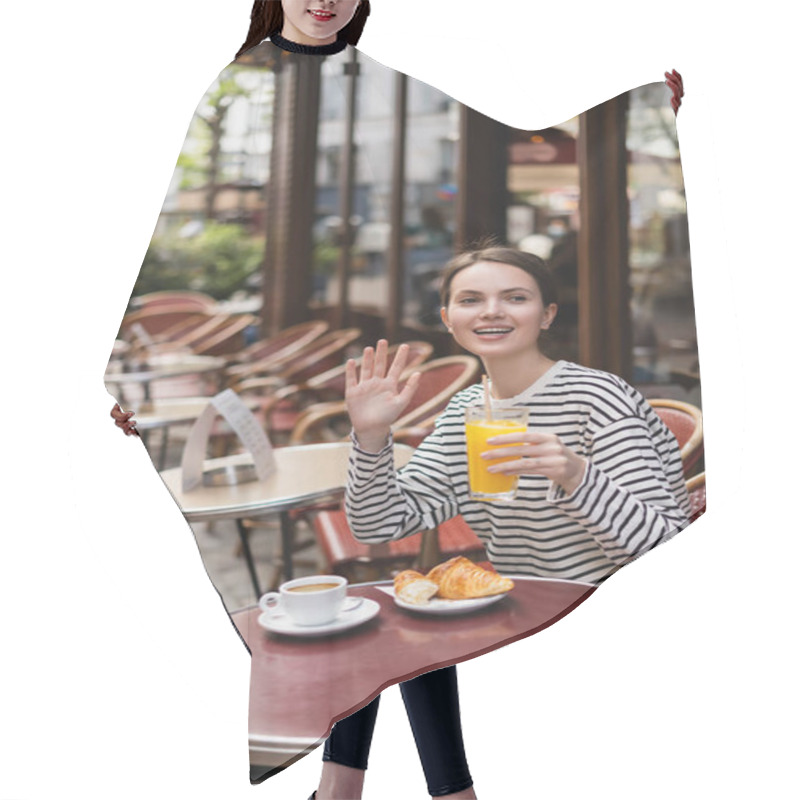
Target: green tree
<point x="218" y="261"/>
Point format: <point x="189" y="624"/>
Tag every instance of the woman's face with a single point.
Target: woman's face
<point x="496" y="310"/>
<point x="315" y="22"/>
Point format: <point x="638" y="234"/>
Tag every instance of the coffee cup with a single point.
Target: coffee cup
<point x="313" y="600"/>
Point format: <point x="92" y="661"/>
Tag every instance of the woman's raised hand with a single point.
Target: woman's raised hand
<point x="374" y="398"/>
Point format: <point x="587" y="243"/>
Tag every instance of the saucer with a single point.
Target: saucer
<point x="281" y="623"/>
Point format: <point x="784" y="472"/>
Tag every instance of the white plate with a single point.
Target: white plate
<point x="280" y="623"/>
<point x="437" y="605"/>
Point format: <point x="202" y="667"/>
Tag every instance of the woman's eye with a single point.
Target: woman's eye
<point x="464" y="301"/>
<point x="518" y="298"/>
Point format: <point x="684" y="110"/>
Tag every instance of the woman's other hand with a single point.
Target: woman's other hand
<point x="537" y="454"/>
<point x="124" y="420"/>
<point x="374" y="398"/>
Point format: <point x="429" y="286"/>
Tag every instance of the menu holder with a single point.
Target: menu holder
<point x="250" y="433"/>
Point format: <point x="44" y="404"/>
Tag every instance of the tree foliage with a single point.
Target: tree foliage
<point x="218" y="261"/>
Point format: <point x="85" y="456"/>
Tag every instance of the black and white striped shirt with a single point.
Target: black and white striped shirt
<point x="632" y="496"/>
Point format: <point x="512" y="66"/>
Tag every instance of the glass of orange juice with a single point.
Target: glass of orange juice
<point x="485" y="485"/>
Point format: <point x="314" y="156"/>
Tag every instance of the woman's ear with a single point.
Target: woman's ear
<point x="443" y="313"/>
<point x="549" y="315"/>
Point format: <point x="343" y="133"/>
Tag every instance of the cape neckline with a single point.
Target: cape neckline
<point x="308" y="49"/>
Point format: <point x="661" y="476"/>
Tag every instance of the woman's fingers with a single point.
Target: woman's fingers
<point x="399" y="363"/>
<point x="367" y="363"/>
<point x="507" y="452"/>
<point x="379" y="369"/>
<point x="408" y="390"/>
<point x="524" y="445"/>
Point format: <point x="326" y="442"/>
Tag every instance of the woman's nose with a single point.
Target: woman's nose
<point x="491" y="308"/>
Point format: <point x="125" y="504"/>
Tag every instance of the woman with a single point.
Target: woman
<point x="596" y="456"/>
<point x="600" y="476"/>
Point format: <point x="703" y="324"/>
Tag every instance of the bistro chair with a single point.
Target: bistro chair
<point x="158" y="319"/>
<point x="686" y="423"/>
<point x="227" y="338"/>
<point x="317" y="357"/>
<point x="696" y="487"/>
<point x="198" y="301"/>
<point x="274" y="349"/>
<point x="203" y="334"/>
<point x="184" y="329"/>
<point x="186" y="334"/>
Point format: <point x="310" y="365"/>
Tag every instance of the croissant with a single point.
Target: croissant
<point x="459" y="579"/>
<point x="413" y="587"/>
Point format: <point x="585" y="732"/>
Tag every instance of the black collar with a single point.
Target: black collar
<point x="308" y="49"/>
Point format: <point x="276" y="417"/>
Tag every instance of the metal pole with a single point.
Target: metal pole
<point x="346" y="193"/>
<point x="396" y="255"/>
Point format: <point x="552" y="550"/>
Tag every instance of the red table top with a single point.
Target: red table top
<point x="300" y="686"/>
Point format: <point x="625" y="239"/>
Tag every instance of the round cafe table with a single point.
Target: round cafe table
<point x="305" y="474"/>
<point x="300" y="686"/>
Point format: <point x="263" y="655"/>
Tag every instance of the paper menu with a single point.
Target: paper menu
<point x="247" y="428"/>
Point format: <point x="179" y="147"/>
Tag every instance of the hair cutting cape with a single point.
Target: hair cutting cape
<point x="322" y="195"/>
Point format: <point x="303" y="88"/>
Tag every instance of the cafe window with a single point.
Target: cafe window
<point x="368" y="236"/>
<point x="430" y="199"/>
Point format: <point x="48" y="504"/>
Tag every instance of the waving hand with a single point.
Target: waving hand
<point x="374" y="398"/>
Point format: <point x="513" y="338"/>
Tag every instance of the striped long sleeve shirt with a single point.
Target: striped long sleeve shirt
<point x="631" y="498"/>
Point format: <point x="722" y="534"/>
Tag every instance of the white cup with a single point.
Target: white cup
<point x="314" y="600"/>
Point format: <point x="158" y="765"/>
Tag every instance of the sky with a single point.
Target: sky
<point x="121" y="676"/>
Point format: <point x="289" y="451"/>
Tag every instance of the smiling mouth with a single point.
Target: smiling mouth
<point x="496" y="331"/>
<point x="323" y="16"/>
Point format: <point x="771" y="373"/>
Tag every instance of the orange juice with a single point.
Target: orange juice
<point x="485" y="485"/>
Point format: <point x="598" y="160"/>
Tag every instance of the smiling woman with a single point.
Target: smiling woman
<point x="316" y="21"/>
<point x="601" y="477"/>
<point x="310" y="23"/>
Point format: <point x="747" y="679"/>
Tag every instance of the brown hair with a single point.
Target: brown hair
<point x="527" y="262"/>
<point x="266" y="19"/>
